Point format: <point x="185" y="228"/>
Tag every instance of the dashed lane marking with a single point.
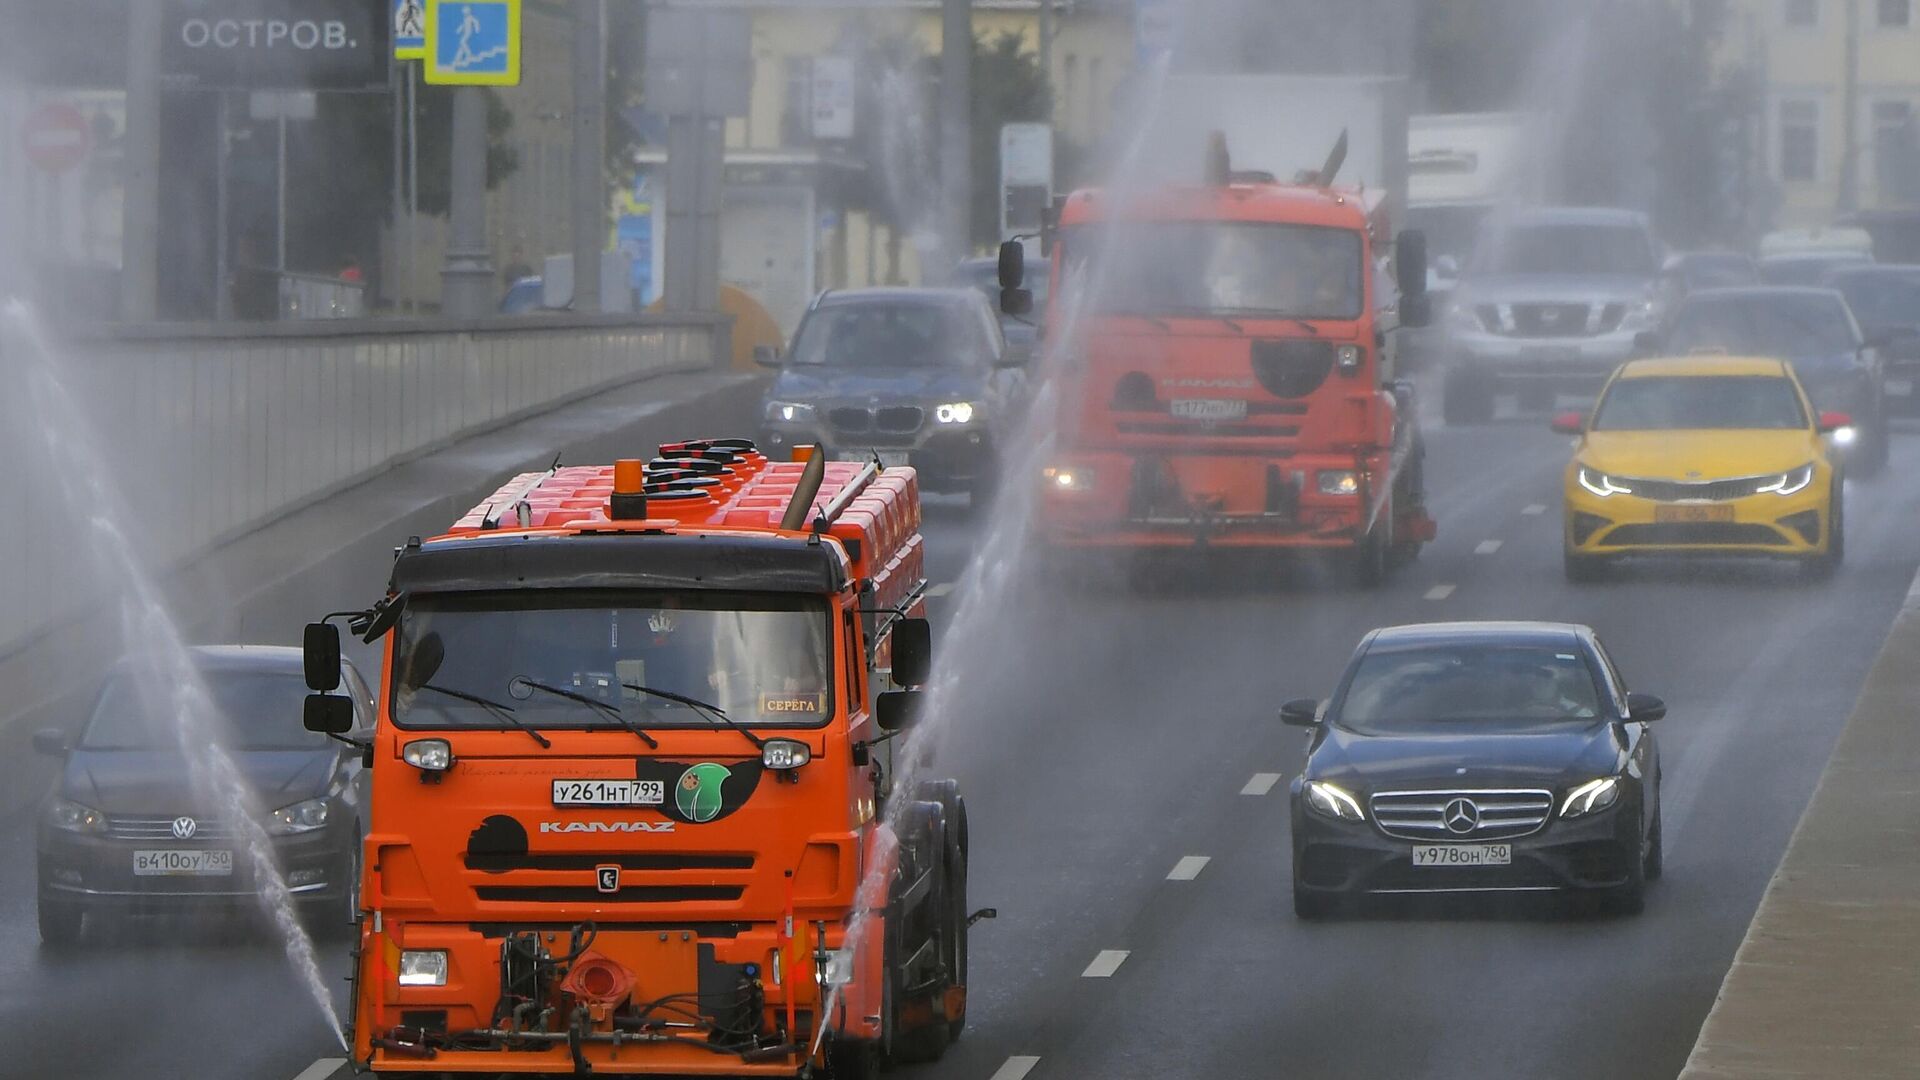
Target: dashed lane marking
<point x="321" y="1069"/>
<point x="1440" y="592"/>
<point x="1486" y="547"/>
<point x="1534" y="509"/>
<point x="1016" y="1068"/>
<point x="935" y="592"/>
<point x="1105" y="964"/>
<point x="1261" y="783"/>
<point x="1188" y="867"/>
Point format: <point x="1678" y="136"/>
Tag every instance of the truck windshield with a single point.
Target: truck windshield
<point x="762" y="659"/>
<point x="1214" y="269"/>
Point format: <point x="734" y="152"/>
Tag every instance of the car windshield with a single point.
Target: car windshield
<point x="1566" y="249"/>
<point x="1716" y="271"/>
<point x="761" y="659"/>
<point x="1700" y="403"/>
<point x="1804" y="269"/>
<point x="891" y="334"/>
<point x="1215" y="269"/>
<point x="1440" y="688"/>
<point x="258" y="710"/>
<point x="1791" y="327"/>
<point x="1883" y="298"/>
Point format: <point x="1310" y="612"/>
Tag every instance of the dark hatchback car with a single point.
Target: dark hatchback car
<point x="126" y="832"/>
<point x="1885" y="298"/>
<point x="1814" y="330"/>
<point x="1477" y="758"/>
<point x="920" y="377"/>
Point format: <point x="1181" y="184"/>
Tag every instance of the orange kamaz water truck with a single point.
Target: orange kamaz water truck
<point x="634" y="809"/>
<point x="1222" y="356"/>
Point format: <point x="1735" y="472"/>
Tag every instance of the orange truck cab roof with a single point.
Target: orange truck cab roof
<point x="1337" y="208"/>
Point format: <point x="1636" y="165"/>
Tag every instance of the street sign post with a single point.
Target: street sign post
<point x="55" y="137"/>
<point x="409" y="29"/>
<point x="473" y="42"/>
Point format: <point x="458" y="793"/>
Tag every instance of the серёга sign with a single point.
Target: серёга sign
<point x="276" y="44"/>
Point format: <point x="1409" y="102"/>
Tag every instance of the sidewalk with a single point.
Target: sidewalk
<point x="335" y="554"/>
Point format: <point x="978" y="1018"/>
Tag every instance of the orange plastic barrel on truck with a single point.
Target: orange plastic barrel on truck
<point x="1222" y="354"/>
<point x="634" y="807"/>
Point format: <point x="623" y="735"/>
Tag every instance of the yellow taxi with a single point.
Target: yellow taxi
<point x="1712" y="455"/>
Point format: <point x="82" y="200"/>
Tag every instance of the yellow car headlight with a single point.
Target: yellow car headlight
<point x="1600" y="483"/>
<point x="1791" y="482"/>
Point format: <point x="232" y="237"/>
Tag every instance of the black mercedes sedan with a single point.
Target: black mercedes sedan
<point x="126" y="830"/>
<point x="1472" y="757"/>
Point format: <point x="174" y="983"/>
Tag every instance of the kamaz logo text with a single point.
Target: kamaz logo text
<point x="606" y="826"/>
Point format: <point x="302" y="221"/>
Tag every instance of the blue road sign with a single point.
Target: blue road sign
<point x="473" y="42"/>
<point x="409" y="29"/>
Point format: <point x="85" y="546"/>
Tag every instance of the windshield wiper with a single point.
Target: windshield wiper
<point x="504" y="712"/>
<point x="700" y="706"/>
<point x="561" y="691"/>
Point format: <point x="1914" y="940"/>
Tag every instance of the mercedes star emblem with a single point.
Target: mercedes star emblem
<point x="1461" y="816"/>
<point x="184" y="828"/>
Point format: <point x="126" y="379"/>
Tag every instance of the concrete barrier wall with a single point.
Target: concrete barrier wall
<point x="213" y="432"/>
<point x="1826" y="985"/>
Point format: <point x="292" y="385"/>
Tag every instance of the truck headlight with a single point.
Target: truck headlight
<point x="423" y="967"/>
<point x="1339" y="482"/>
<point x="73" y="817"/>
<point x="304" y="816"/>
<point x="1067" y="478"/>
<point x="1600" y="483"/>
<point x="957" y="412"/>
<point x="1334" y="801"/>
<point x="785" y="754"/>
<point x="1790" y="482"/>
<point x="428" y="755"/>
<point x="1591" y="797"/>
<point x="789" y="412"/>
<point x="1348" y="357"/>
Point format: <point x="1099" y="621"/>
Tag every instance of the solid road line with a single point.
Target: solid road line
<point x="1105" y="964"/>
<point x="1534" y="509"/>
<point x="1188" y="867"/>
<point x="1487" y="547"/>
<point x="1261" y="783"/>
<point x="1016" y="1068"/>
<point x="1440" y="592"/>
<point x="321" y="1069"/>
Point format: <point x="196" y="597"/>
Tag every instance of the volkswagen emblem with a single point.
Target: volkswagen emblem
<point x="184" y="828"/>
<point x="1461" y="816"/>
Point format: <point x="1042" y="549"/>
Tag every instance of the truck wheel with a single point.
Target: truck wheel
<point x="1466" y="398"/>
<point x="957" y="907"/>
<point x="60" y="924"/>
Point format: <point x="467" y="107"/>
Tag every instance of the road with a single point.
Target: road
<point x="1127" y="777"/>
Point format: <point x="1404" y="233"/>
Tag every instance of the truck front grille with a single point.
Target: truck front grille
<point x="588" y="894"/>
<point x="1448" y="815"/>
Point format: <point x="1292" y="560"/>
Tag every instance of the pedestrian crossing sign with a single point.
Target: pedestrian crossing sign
<point x="473" y="42"/>
<point x="409" y="29"/>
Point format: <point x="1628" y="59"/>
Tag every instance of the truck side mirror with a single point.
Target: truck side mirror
<point x="328" y="714"/>
<point x="320" y="648"/>
<point x="1410" y="264"/>
<point x="897" y="710"/>
<point x="1013" y="264"/>
<point x="912" y="652"/>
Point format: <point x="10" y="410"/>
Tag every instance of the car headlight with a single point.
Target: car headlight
<point x="1591" y="797"/>
<point x="304" y="816"/>
<point x="1641" y="315"/>
<point x="69" y="815"/>
<point x="1600" y="483"/>
<point x="1067" y="478"/>
<point x="1334" y="801"/>
<point x="789" y="412"/>
<point x="955" y="412"/>
<point x="1844" y="436"/>
<point x="1339" y="482"/>
<point x="1788" y="483"/>
<point x="423" y="967"/>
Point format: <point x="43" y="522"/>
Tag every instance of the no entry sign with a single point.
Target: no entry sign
<point x="56" y="137"/>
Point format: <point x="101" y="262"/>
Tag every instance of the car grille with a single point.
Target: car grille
<point x="1498" y="815"/>
<point x="851" y="420"/>
<point x="161" y="828"/>
<point x="1678" y="533"/>
<point x="886" y="419"/>
<point x="1551" y="320"/>
<point x="1682" y="490"/>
